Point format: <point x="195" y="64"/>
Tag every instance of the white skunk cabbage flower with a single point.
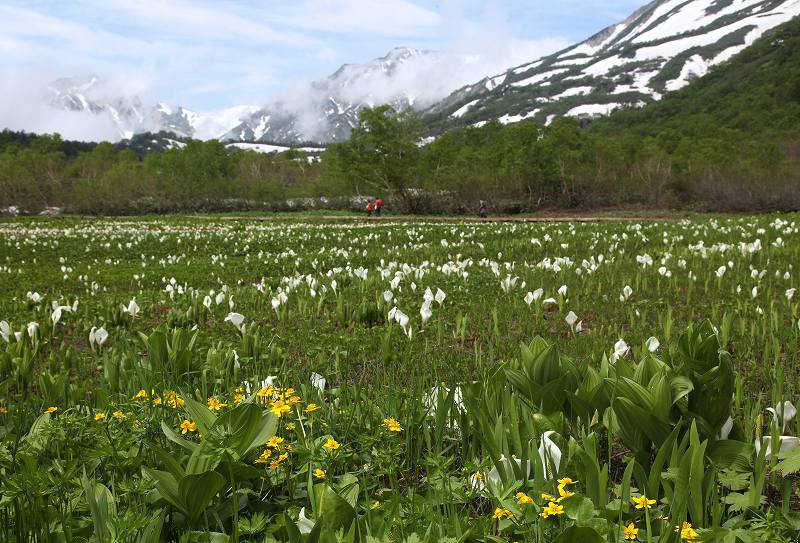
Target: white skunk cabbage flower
<point x="550" y="454"/>
<point x="236" y="319"/>
<point x="318" y="382"/>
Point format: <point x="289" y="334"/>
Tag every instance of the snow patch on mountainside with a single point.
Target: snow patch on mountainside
<point x="660" y="48"/>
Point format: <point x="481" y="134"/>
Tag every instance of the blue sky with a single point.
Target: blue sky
<point x="209" y="55"/>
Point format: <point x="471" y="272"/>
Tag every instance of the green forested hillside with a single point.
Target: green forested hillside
<point x="758" y="92"/>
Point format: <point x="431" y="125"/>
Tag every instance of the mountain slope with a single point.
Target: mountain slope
<point x="662" y="47"/>
<point x="757" y="93"/>
<point x="130" y="115"/>
<point x="331" y="106"/>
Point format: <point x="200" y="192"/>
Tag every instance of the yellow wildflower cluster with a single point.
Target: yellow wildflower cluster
<point x="215" y="405"/>
<point x="320" y="473"/>
<point x="3" y="410"/>
<point x="554" y="507"/>
<point x="523" y="499"/>
<point x="392" y="425"/>
<point x="279" y="401"/>
<point x="502" y="512"/>
<point x="274" y="444"/>
<point x="331" y="444"/>
<point x="687" y="532"/>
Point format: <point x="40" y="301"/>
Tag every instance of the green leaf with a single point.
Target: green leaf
<point x="197" y="491"/>
<point x="167" y="486"/>
<point x="201" y="415"/>
<point x="578" y="534"/>
<point x="790" y="462"/>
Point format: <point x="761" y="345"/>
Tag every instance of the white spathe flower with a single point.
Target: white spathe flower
<point x="98" y="336"/>
<point x="31" y="329"/>
<point x="790" y="293"/>
<point x="529" y="298"/>
<point x="388" y="295"/>
<point x="318" y="382"/>
<point x="627" y="292"/>
<point x="132" y="309"/>
<point x="440" y="296"/>
<point x="428" y="295"/>
<point x="571" y="319"/>
<point x="219" y="298"/>
<point x="783" y="414"/>
<point x="550" y="454"/>
<point x="725" y="431"/>
<point x="785" y="444"/>
<point x="425" y="311"/>
<point x="754" y="292"/>
<point x="548" y="301"/>
<point x="562" y="290"/>
<point x="56" y="315"/>
<point x="620" y="350"/>
<point x="207" y="302"/>
<point x="34" y="297"/>
<point x="236" y="319"/>
<point x="304" y="524"/>
<point x="721" y="271"/>
<point x="652" y="344"/>
<point x="5" y="331"/>
<point x="538" y="293"/>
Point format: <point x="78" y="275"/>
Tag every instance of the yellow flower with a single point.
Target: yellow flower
<point x="293" y="400"/>
<point x="478" y="476"/>
<point x="142" y="394"/>
<point x="319" y="474"/>
<point x="215" y="405"/>
<point x="157" y="401"/>
<point x="310" y="408"/>
<point x="266" y="453"/>
<point x="275" y="442"/>
<point x="564" y="493"/>
<point x="630" y="531"/>
<point x="642" y="502"/>
<point x="52" y="409"/>
<point x="566" y="481"/>
<point x="238" y="398"/>
<point x="548" y="498"/>
<point x="687" y="532"/>
<point x="265" y="392"/>
<point x="290" y="426"/>
<point x="188" y="426"/>
<point x="523" y="499"/>
<point x="280" y="408"/>
<point x="174" y="400"/>
<point x="552" y="509"/>
<point x="3" y="410"/>
<point x="332" y="444"/>
<point x="392" y="425"/>
<point x="119" y="415"/>
<point x="502" y="512"/>
<point x="99" y="416"/>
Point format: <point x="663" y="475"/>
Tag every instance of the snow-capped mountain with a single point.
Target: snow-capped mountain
<point x="662" y="47"/>
<point x="328" y="110"/>
<point x="130" y="115"/>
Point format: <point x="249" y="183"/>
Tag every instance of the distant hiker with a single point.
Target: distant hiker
<point x="370" y="208"/>
<point x="483" y="209"/>
<point x="378" y="207"/>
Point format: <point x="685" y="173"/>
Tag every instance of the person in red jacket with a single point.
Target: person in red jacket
<point x="378" y="207"/>
<point x="370" y="208"/>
